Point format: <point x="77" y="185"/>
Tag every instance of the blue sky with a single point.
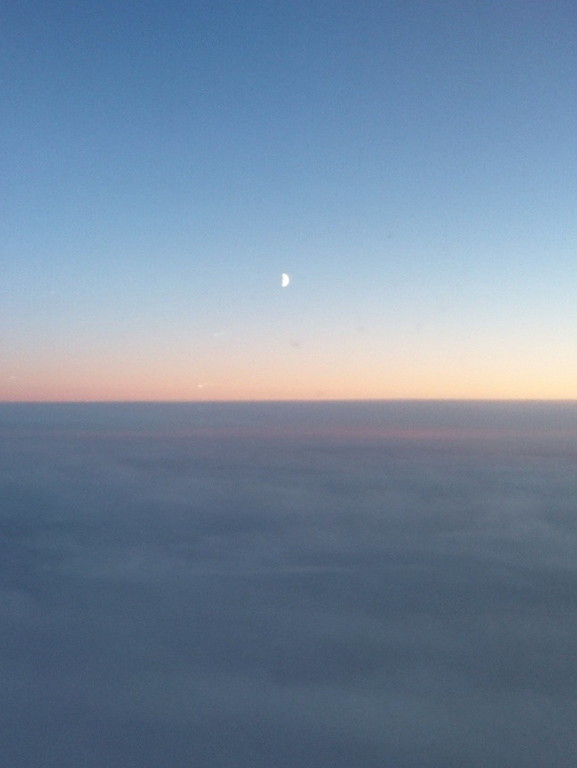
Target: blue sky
<point x="410" y="165"/>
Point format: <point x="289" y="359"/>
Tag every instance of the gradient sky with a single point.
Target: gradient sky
<point x="411" y="165"/>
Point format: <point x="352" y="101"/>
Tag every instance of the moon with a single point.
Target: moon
<point x="284" y="280"/>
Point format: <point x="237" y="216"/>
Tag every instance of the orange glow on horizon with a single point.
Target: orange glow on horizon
<point x="240" y="385"/>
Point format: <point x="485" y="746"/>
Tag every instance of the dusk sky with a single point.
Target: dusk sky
<point x="411" y="165"/>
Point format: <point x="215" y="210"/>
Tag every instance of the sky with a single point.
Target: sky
<point x="307" y="599"/>
<point x="410" y="165"/>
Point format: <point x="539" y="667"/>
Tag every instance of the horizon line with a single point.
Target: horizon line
<point x="257" y="401"/>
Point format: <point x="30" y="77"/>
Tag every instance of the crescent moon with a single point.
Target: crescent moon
<point x="284" y="280"/>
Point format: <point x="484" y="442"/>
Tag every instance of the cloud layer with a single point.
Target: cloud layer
<point x="233" y="596"/>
